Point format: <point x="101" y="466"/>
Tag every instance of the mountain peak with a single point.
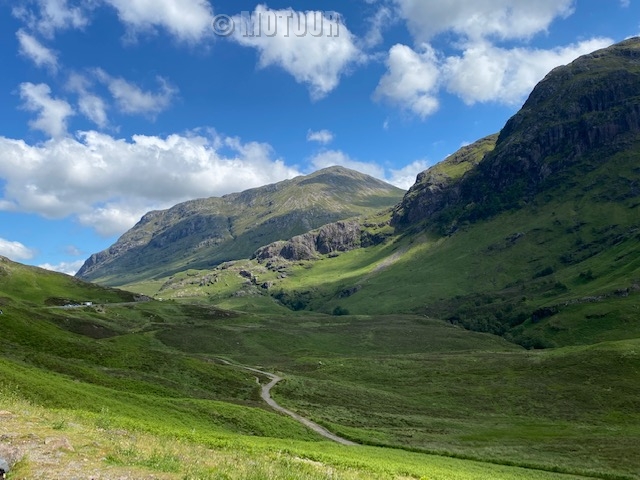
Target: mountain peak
<point x="205" y="232"/>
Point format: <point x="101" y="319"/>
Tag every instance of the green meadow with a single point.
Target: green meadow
<point x="141" y="387"/>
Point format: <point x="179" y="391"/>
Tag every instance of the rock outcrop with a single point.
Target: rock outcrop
<point x="333" y="237"/>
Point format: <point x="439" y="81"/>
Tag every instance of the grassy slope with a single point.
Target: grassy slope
<point x="74" y="374"/>
<point x="417" y="383"/>
<point x="105" y="448"/>
<point x="21" y="284"/>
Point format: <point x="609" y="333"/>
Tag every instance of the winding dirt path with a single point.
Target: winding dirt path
<point x="266" y="396"/>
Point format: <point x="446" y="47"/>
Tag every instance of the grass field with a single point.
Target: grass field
<point x="415" y="383"/>
<point x="408" y="386"/>
<point x="61" y="444"/>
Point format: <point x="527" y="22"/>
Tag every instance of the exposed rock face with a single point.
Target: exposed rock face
<point x="207" y="232"/>
<point x="592" y="104"/>
<point x="577" y="108"/>
<point x="334" y="237"/>
<point x="437" y="187"/>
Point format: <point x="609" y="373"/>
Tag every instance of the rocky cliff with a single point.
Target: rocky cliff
<point x="579" y="112"/>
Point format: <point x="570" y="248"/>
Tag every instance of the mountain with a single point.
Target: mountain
<point x="206" y="232"/>
<point x="532" y="234"/>
<point x="575" y="119"/>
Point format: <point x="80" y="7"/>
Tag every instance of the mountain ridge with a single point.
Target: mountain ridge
<point x="599" y="109"/>
<point x="205" y="232"/>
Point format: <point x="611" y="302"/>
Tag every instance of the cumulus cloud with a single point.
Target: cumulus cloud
<point x="495" y="63"/>
<point x="15" y="251"/>
<point x="69" y="268"/>
<point x="52" y="112"/>
<point x="314" y="48"/>
<point x="107" y="183"/>
<point x="321" y="136"/>
<point x="31" y="48"/>
<point x="133" y="100"/>
<point x="411" y="81"/>
<point x="486" y="73"/>
<point x="49" y="16"/>
<point x="186" y="20"/>
<point x="503" y="19"/>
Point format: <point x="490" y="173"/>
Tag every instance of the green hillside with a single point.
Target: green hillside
<point x="137" y="389"/>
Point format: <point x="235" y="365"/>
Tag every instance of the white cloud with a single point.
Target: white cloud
<point x="69" y="268"/>
<point x="108" y="183"/>
<point x="314" y="48"/>
<point x="15" y="250"/>
<point x="90" y="105"/>
<point x="625" y="3"/>
<point x="94" y="108"/>
<point x="503" y="19"/>
<point x="132" y="100"/>
<point x="31" y="48"/>
<point x="52" y="15"/>
<point x="405" y="177"/>
<point x="321" y="136"/>
<point x="485" y="73"/>
<point x="382" y="19"/>
<point x="187" y="20"/>
<point x="482" y="73"/>
<point x="52" y="112"/>
<point x="411" y="81"/>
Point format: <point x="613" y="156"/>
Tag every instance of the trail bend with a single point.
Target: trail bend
<point x="265" y="393"/>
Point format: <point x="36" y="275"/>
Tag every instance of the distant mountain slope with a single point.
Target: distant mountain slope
<point x="206" y="232"/>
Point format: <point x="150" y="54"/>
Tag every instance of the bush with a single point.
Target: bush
<point x="340" y="311"/>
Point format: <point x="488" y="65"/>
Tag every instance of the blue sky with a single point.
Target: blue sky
<point x="112" y="108"/>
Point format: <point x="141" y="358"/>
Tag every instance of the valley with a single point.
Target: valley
<point x="483" y="325"/>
